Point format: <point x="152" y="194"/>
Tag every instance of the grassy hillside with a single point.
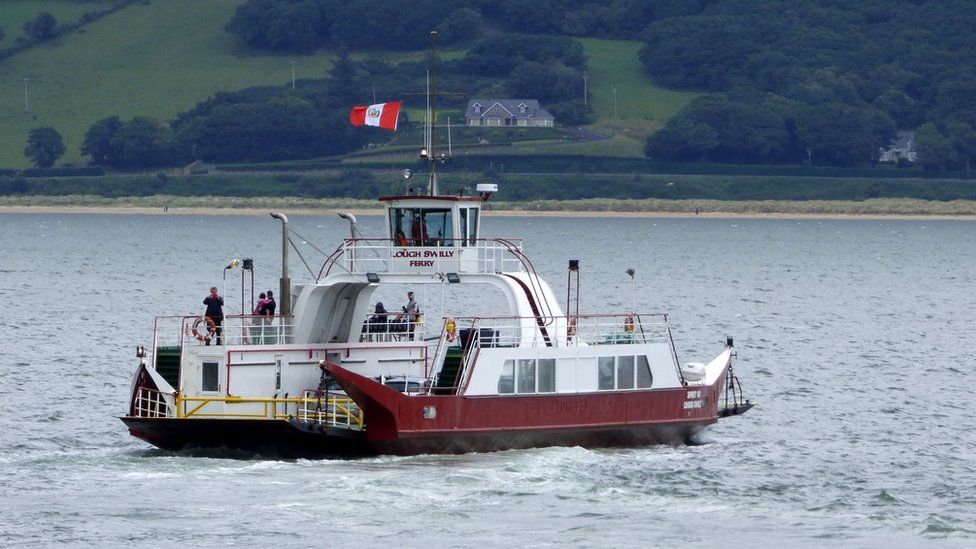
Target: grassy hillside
<point x="162" y="57"/>
<point x="153" y="59"/>
<point x="614" y="62"/>
<point x="14" y="13"/>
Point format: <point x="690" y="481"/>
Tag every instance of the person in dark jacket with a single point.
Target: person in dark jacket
<point x="215" y="312"/>
<point x="268" y="311"/>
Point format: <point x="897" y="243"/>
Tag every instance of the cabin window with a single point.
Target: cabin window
<point x="210" y="381"/>
<point x="463" y="213"/>
<point x="625" y="372"/>
<point x="421" y="226"/>
<point x="547" y="375"/>
<point x="605" y="373"/>
<point x="506" y="381"/>
<point x="644" y="378"/>
<point x="526" y="376"/>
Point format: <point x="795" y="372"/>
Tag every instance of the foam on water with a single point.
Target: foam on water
<point x="854" y="336"/>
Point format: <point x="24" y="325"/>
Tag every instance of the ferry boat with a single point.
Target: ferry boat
<point x="331" y="376"/>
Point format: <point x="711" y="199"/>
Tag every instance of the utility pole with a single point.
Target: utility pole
<point x="26" y="104"/>
<point x="614" y="100"/>
<point x="292" y="74"/>
<point x="585" y="76"/>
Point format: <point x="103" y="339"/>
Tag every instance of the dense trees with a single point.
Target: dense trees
<point x="848" y="72"/>
<point x="44" y="146"/>
<point x="42" y="27"/>
<point x="301" y="25"/>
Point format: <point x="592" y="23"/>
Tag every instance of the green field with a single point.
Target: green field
<point x="154" y="59"/>
<point x="14" y="13"/>
<point x="614" y="62"/>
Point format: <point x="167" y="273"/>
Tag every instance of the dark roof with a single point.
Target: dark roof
<point x="532" y="108"/>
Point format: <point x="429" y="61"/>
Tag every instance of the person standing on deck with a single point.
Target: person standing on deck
<point x="410" y="311"/>
<point x="215" y="312"/>
<point x="269" y="311"/>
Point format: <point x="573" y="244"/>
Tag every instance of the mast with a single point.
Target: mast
<point x="431" y="156"/>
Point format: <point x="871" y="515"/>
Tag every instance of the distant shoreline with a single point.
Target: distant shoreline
<point x="883" y="208"/>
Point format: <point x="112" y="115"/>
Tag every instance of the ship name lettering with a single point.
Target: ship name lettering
<point x="420" y="263"/>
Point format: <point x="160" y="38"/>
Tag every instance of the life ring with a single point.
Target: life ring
<point x="629" y="324"/>
<point x="451" y="329"/>
<point x="211" y="328"/>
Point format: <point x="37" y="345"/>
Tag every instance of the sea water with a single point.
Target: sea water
<point x="855" y="336"/>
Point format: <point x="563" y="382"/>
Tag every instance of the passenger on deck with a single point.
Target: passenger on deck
<point x="215" y="312"/>
<point x="378" y="322"/>
<point x="401" y="239"/>
<point x="258" y="320"/>
<point x="411" y="312"/>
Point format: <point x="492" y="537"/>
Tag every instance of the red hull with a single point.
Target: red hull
<point x="402" y="424"/>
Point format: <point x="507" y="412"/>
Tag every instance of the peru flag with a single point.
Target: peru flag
<point x="384" y="115"/>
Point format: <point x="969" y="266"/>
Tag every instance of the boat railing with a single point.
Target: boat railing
<point x="392" y="327"/>
<point x="561" y="331"/>
<point x="177" y="331"/>
<point x="319" y="407"/>
<point x="322" y="408"/>
<point x="442" y="255"/>
<point x="153" y="403"/>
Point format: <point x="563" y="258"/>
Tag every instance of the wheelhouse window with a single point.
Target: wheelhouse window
<point x="421" y="226"/>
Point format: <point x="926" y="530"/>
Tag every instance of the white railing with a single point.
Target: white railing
<point x="330" y="410"/>
<point x="176" y="331"/>
<point x="152" y="403"/>
<point x="385" y="256"/>
<point x="387" y="328"/>
<point x="562" y="331"/>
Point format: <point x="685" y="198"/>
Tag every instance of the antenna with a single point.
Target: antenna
<point x="450" y="153"/>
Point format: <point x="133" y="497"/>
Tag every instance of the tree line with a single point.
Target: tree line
<point x="304" y="25"/>
<point x="819" y="82"/>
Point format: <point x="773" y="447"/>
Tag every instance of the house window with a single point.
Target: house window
<point x="477" y="107"/>
<point x="210" y="381"/>
<point x="506" y="381"/>
<point x="522" y="108"/>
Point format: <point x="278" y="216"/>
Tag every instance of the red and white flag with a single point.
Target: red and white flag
<point x="383" y="115"/>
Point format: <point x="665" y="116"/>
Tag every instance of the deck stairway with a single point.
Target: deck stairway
<point x="168" y="364"/>
<point x="448" y="378"/>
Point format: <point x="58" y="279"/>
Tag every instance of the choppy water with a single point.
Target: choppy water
<point x="855" y="336"/>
